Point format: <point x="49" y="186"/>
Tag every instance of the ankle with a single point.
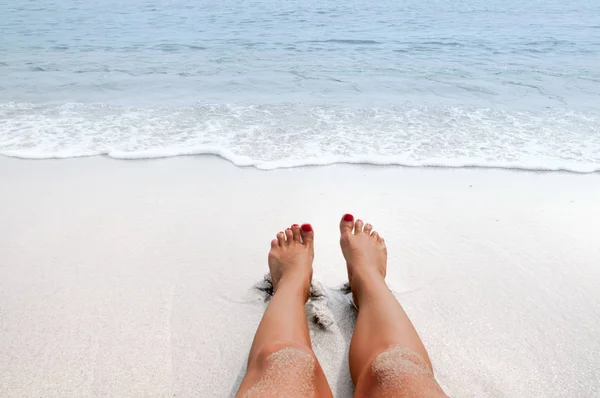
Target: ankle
<point x="293" y="286"/>
<point x="366" y="280"/>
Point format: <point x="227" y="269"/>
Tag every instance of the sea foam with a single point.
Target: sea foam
<point x="296" y="135"/>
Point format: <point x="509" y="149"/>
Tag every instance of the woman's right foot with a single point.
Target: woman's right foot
<point x="364" y="250"/>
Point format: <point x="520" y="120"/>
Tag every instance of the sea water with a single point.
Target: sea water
<point x="268" y="83"/>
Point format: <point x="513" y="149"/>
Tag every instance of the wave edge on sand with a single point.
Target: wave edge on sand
<point x="244" y="161"/>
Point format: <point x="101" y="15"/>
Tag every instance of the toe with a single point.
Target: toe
<point x="296" y="233"/>
<point x="289" y="235"/>
<point x="368" y="228"/>
<point x="281" y="238"/>
<point x="346" y="224"/>
<point x="274" y="243"/>
<point x="308" y="235"/>
<point x="358" y="226"/>
<point x="375" y="235"/>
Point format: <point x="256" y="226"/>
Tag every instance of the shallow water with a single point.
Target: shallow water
<point x="280" y="84"/>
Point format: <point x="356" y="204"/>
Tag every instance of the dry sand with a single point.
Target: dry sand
<point x="135" y="278"/>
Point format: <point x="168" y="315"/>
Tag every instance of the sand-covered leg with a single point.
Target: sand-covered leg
<point x="387" y="357"/>
<point x="281" y="361"/>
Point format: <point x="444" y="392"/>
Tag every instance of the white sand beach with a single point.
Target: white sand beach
<point x="136" y="278"/>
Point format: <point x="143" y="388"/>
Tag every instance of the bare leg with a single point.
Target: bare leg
<point x="387" y="357"/>
<point x="281" y="361"/>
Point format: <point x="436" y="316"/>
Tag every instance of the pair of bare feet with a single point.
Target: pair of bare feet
<point x="292" y="254"/>
<point x="386" y="356"/>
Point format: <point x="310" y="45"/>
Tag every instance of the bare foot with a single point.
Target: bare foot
<point x="364" y="251"/>
<point x="291" y="258"/>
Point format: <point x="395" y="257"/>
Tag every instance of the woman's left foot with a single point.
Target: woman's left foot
<point x="291" y="258"/>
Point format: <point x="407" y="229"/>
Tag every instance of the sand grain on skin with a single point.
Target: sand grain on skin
<point x="402" y="372"/>
<point x="289" y="374"/>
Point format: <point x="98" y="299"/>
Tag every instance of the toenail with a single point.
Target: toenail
<point x="306" y="227"/>
<point x="359" y="220"/>
<point x="348" y="217"/>
<point x="281" y="232"/>
<point x="288" y="229"/>
<point x="295" y="225"/>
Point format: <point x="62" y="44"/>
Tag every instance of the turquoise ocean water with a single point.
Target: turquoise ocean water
<point x="268" y="83"/>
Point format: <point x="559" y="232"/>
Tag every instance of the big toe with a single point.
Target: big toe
<point x="346" y="224"/>
<point x="308" y="235"/>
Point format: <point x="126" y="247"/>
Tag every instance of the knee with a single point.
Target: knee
<point x="275" y="353"/>
<point x="398" y="361"/>
<point x="283" y="370"/>
<point x="399" y="371"/>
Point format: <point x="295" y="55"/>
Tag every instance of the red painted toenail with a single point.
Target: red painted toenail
<point x="306" y="227"/>
<point x="281" y="232"/>
<point x="295" y="225"/>
<point x="288" y="229"/>
<point x="348" y="217"/>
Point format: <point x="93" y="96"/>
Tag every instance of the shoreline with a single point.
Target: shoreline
<point x="246" y="164"/>
<point x="136" y="278"/>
